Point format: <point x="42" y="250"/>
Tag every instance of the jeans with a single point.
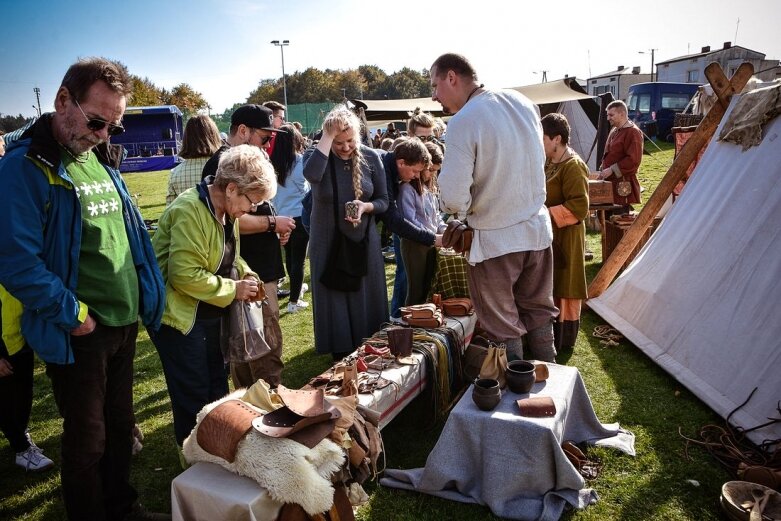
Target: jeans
<point x="95" y="398"/>
<point x="295" y="256"/>
<point x="16" y="392"/>
<point x="399" y="281"/>
<point x="194" y="370"/>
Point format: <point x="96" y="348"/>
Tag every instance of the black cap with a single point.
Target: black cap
<point x="254" y="116"/>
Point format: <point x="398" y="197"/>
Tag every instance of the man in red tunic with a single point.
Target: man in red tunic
<point x="623" y="152"/>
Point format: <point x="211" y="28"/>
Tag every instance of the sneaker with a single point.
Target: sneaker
<point x="304" y="289"/>
<point x="292" y="307"/>
<point x="33" y="459"/>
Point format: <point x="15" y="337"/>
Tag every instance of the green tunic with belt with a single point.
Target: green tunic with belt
<point x="567" y="185"/>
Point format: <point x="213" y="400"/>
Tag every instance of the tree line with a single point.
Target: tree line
<point x="309" y="86"/>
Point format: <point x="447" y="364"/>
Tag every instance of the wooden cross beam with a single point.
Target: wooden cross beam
<point x="724" y="89"/>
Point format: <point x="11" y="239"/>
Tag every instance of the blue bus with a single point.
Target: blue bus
<point x="653" y="106"/>
<point x="152" y="138"/>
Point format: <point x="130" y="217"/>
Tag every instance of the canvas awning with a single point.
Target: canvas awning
<point x="398" y="110"/>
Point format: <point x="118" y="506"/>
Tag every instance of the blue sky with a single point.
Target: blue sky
<point x="222" y="49"/>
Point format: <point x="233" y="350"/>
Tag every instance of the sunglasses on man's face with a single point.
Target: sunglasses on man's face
<point x="264" y="139"/>
<point x="96" y="124"/>
<point x="426" y="138"/>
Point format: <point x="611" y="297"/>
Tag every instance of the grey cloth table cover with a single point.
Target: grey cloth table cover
<point x="513" y="464"/>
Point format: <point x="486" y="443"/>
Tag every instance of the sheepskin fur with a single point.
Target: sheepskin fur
<point x="291" y="472"/>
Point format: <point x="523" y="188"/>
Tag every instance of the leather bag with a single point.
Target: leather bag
<point x="457" y="307"/>
<point x="348" y="260"/>
<point x="243" y="336"/>
<point x="400" y="341"/>
<point x="458" y="236"/>
<point x="495" y="364"/>
<point x="437" y="320"/>
<point x="419" y="311"/>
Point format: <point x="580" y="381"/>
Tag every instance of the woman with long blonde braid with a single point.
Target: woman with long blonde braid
<point x="342" y="319"/>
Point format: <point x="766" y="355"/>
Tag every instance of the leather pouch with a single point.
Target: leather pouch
<point x="537" y="407"/>
<point x="400" y="340"/>
<point x="457" y="307"/>
<point x="435" y="321"/>
<point x="495" y="364"/>
<point x="458" y="236"/>
<point x="466" y="241"/>
<point x="419" y="311"/>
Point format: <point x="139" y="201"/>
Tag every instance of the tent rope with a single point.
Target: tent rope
<point x="729" y="445"/>
<point x="610" y="336"/>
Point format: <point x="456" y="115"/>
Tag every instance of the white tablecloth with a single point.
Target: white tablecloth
<point x="409" y="380"/>
<point x="513" y="464"/>
<point x="208" y="492"/>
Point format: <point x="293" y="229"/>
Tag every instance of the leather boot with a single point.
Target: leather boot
<point x="558" y="332"/>
<point x="514" y="349"/>
<point x="540" y="343"/>
<point x="569" y="334"/>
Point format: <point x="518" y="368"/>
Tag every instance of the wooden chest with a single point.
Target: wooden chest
<point x="600" y="192"/>
<point x="615" y="232"/>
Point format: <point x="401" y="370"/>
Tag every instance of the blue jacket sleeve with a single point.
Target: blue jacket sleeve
<point x="27" y="202"/>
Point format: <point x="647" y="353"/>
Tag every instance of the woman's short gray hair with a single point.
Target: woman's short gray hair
<point x="248" y="167"/>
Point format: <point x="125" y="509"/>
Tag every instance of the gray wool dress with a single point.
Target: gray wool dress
<point x="344" y="319"/>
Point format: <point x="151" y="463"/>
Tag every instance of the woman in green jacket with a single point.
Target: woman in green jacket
<point x="566" y="184"/>
<point x="197" y="244"/>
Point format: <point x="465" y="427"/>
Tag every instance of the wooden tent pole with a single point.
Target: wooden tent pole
<point x="724" y="89"/>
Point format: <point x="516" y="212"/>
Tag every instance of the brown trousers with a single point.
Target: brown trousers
<point x="270" y="366"/>
<point x="513" y="294"/>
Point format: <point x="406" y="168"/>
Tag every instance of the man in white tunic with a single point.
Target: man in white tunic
<point x="493" y="178"/>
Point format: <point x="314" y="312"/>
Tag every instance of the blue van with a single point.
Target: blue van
<point x="653" y="106"/>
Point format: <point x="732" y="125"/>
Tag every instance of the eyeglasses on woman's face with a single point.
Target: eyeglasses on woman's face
<point x="252" y="206"/>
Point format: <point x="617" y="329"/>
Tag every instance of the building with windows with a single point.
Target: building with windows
<point x="691" y="68"/>
<point x="616" y="82"/>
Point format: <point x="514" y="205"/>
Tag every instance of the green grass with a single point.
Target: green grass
<point x="624" y="385"/>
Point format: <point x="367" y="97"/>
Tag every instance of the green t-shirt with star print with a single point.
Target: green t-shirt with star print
<point x="107" y="283"/>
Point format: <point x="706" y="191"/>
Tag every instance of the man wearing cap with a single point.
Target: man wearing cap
<point x="262" y="235"/>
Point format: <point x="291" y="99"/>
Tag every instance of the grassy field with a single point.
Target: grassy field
<point x="624" y="385"/>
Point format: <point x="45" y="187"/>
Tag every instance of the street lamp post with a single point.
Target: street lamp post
<point x="281" y="46"/>
<point x="652" y="60"/>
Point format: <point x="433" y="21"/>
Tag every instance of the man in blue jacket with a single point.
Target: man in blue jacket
<point x="77" y="269"/>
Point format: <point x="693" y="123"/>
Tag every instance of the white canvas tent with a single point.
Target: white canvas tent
<point x="560" y="95"/>
<point x="583" y="132"/>
<point x="702" y="297"/>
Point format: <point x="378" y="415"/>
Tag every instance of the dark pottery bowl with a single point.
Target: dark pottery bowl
<point x="520" y="376"/>
<point x="486" y="394"/>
